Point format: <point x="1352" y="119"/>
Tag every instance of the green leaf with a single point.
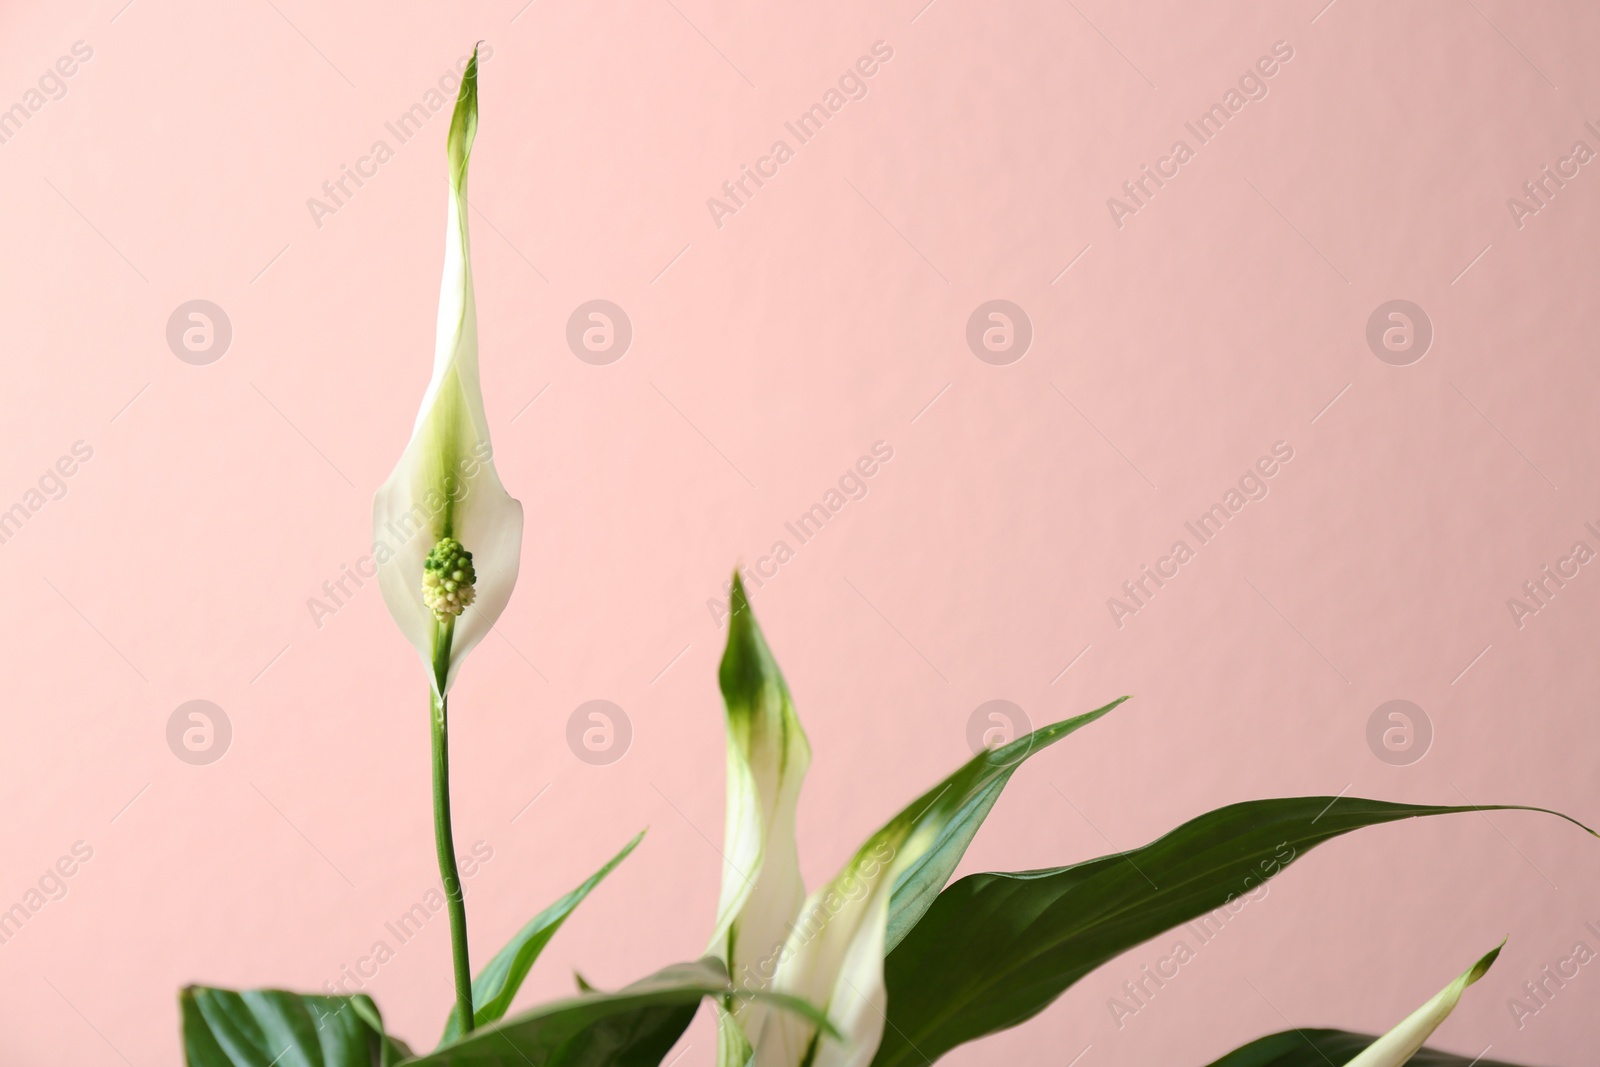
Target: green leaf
<point x="497" y="984"/>
<point x="827" y="948"/>
<point x="975" y="787"/>
<point x="273" y="1028"/>
<point x="733" y="1047"/>
<point x="996" y="949"/>
<point x="834" y="953"/>
<point x="633" y="1027"/>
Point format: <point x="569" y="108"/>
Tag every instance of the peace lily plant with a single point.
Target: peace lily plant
<point x="888" y="964"/>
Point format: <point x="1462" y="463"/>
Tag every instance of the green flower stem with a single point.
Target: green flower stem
<point x="443" y="839"/>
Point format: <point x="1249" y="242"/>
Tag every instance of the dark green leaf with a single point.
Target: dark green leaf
<point x="272" y="1028"/>
<point x="1319" y="1048"/>
<point x="972" y="791"/>
<point x="633" y="1027"/>
<point x="996" y="949"/>
<point x="497" y="984"/>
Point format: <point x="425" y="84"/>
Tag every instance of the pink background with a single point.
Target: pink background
<point x="827" y="314"/>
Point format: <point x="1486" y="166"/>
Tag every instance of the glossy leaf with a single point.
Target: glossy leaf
<point x="273" y="1028"/>
<point x="497" y="984"/>
<point x="633" y="1027"/>
<point x="834" y="953"/>
<point x="979" y="784"/>
<point x="996" y="949"/>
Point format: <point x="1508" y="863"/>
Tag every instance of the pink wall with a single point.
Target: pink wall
<point x="1226" y="314"/>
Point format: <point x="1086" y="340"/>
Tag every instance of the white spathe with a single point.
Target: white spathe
<point x="833" y="958"/>
<point x="1400" y="1044"/>
<point x="827" y="949"/>
<point x="445" y="484"/>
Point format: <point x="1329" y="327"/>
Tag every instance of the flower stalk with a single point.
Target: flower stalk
<point x="443" y="835"/>
<point x="445" y="495"/>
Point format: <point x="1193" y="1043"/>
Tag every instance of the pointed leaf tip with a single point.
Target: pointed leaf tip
<point x="498" y="982"/>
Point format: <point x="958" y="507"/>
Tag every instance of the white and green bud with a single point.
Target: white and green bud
<point x="445" y="492"/>
<point x="1403" y="1042"/>
<point x="448" y="579"/>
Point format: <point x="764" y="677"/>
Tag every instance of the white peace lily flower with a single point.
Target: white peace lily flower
<point x="826" y="949"/>
<point x="453" y="534"/>
<point x="767" y="759"/>
<point x="1400" y="1044"/>
<point x="833" y="958"/>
